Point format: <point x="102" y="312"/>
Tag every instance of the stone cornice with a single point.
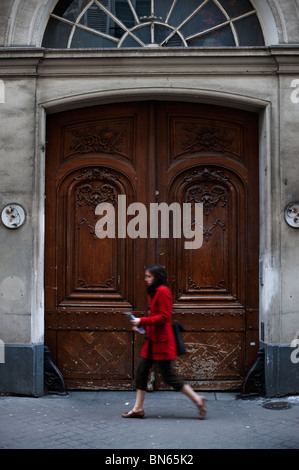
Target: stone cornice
<point x="148" y="62"/>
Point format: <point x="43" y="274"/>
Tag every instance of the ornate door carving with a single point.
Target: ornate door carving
<point x="90" y="281"/>
<point x="151" y="152"/>
<point x="210" y="156"/>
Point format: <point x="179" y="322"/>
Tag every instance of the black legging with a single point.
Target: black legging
<point x="168" y="375"/>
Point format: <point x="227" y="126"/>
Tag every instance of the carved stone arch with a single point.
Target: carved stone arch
<point x="286" y="18"/>
<point x="26" y="22"/>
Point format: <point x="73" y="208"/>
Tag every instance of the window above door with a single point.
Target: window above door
<point x="153" y="23"/>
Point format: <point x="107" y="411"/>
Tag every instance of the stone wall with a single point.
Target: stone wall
<point x="38" y="82"/>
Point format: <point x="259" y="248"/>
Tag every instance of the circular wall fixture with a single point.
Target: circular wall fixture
<point x="13" y="216"/>
<point x="291" y="214"/>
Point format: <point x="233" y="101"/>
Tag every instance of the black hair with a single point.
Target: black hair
<point x="160" y="277"/>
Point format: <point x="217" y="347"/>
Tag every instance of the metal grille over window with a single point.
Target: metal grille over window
<point x="153" y="23"/>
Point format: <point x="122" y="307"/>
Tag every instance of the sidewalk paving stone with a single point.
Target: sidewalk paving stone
<point x="92" y="420"/>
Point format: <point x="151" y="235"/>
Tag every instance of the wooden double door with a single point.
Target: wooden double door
<point x="151" y="152"/>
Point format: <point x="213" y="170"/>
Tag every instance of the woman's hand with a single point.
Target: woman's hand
<point x="135" y="322"/>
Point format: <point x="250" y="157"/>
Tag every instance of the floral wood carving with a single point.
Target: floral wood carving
<point x="94" y="140"/>
<point x="94" y="194"/>
<point x="207" y="231"/>
<point x="91" y="226"/>
<point x="99" y="174"/>
<point x="209" y="196"/>
<point x="84" y="285"/>
<point x="193" y="285"/>
<point x="208" y="174"/>
<point x="98" y="185"/>
<point x="209" y="138"/>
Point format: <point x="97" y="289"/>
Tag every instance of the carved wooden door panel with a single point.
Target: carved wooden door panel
<point x="209" y="155"/>
<point x="151" y="152"/>
<point x="91" y="281"/>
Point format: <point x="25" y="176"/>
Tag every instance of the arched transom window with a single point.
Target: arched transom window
<point x="153" y="23"/>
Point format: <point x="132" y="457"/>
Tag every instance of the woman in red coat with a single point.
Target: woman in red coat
<point x="159" y="344"/>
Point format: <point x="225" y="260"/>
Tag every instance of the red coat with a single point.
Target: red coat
<point x="158" y="327"/>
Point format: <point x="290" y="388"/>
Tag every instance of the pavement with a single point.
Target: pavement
<point x="92" y="420"/>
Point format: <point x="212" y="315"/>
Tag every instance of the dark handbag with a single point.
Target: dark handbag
<point x="177" y="329"/>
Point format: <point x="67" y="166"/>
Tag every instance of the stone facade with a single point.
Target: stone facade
<point x="36" y="82"/>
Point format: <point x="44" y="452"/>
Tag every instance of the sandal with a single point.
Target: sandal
<point x="133" y="414"/>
